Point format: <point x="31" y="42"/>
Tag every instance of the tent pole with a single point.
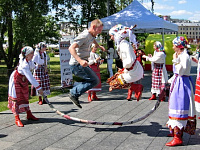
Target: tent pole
<point x="163" y="39"/>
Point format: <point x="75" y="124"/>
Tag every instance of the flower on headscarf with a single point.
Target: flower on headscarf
<point x="180" y="42"/>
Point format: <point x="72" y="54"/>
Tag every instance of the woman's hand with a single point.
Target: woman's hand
<point x="175" y="55"/>
<point x="40" y="92"/>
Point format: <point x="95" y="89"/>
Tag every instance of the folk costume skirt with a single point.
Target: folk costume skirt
<point x="157" y="85"/>
<point x="42" y="78"/>
<point x="181" y="102"/>
<point x="96" y="69"/>
<point x="18" y="94"/>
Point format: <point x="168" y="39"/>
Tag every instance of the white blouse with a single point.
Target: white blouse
<point x="128" y="57"/>
<point x="158" y="57"/>
<point x="25" y="68"/>
<point x="182" y="64"/>
<point x="37" y="58"/>
<point x="92" y="58"/>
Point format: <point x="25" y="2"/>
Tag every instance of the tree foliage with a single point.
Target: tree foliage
<point x="24" y="22"/>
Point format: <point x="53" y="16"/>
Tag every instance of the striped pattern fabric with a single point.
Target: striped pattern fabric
<point x="19" y="103"/>
<point x="197" y="94"/>
<point x="157" y="76"/>
<point x="42" y="78"/>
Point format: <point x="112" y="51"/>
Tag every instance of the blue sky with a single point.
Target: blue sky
<point x="177" y="9"/>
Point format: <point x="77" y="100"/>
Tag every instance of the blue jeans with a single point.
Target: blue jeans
<point x="88" y="75"/>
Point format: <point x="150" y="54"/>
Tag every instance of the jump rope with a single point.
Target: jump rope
<point x="101" y="123"/>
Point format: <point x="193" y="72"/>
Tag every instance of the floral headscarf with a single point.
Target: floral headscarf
<point x="180" y="42"/>
<point x="25" y="51"/>
<point x="117" y="28"/>
<point x="120" y="32"/>
<point x="40" y="46"/>
<point x="159" y="46"/>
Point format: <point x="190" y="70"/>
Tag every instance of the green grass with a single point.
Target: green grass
<point x="55" y="80"/>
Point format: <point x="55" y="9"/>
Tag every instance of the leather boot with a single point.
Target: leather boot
<point x="94" y="96"/>
<point x="18" y="121"/>
<point x="30" y="116"/>
<point x="138" y="91"/>
<point x="177" y="140"/>
<point x="171" y="132"/>
<point x="40" y="100"/>
<point x="153" y="97"/>
<point x="129" y="94"/>
<point x="89" y="97"/>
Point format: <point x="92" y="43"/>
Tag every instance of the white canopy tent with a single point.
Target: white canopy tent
<point x="136" y="13"/>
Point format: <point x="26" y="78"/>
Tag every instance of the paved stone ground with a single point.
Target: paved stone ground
<point x="52" y="132"/>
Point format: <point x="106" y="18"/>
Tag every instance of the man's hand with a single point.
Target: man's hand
<point x="83" y="63"/>
<point x="102" y="48"/>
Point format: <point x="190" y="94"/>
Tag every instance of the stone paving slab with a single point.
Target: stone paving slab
<point x="53" y="132"/>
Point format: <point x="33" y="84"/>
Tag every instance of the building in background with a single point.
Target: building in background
<point x="190" y="29"/>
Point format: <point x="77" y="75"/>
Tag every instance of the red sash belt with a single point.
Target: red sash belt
<point x="132" y="65"/>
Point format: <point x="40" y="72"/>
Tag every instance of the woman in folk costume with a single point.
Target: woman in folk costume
<point x="132" y="70"/>
<point x="181" y="99"/>
<point x="18" y="94"/>
<point x="94" y="62"/>
<point x="41" y="73"/>
<point x="159" y="74"/>
<point x="197" y="89"/>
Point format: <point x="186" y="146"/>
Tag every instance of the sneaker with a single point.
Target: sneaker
<point x="75" y="100"/>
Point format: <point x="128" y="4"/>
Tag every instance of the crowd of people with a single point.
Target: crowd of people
<point x="184" y="99"/>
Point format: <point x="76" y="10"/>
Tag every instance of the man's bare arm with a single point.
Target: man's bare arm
<point x="72" y="50"/>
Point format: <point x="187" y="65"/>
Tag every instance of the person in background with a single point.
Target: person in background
<point x="18" y="93"/>
<point x="41" y="73"/>
<point x="110" y="56"/>
<point x="159" y="74"/>
<point x="132" y="70"/>
<point x="188" y="49"/>
<point x="197" y="52"/>
<point x="94" y="62"/>
<point x="197" y="86"/>
<point x="80" y="52"/>
<point x="139" y="53"/>
<point x="181" y="100"/>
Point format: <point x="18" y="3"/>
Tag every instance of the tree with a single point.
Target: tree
<point x="24" y="23"/>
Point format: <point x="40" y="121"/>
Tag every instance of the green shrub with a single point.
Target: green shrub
<point x="51" y="54"/>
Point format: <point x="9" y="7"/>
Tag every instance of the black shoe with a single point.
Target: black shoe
<point x="43" y="101"/>
<point x="75" y="100"/>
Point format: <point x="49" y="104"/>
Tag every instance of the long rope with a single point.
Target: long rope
<point x="101" y="123"/>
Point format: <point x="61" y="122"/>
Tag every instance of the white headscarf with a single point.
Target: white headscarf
<point x="25" y="51"/>
<point x="120" y="32"/>
<point x="40" y="45"/>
